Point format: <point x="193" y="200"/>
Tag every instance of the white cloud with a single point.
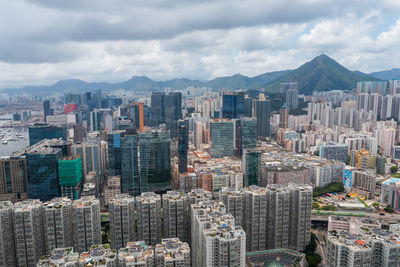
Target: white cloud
<point x="99" y="40"/>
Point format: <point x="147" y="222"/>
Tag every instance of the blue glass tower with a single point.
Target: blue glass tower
<point x="41" y="131"/>
<point x="42" y="170"/>
<point x="232" y="105"/>
<point x="155" y="165"/>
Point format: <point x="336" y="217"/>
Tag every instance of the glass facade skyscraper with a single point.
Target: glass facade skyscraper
<point x="232" y="105"/>
<point x="222" y="136"/>
<point x="246" y="134"/>
<point x="70" y="177"/>
<point x="173" y="111"/>
<point x="263" y="114"/>
<point x="114" y="153"/>
<point x="42" y="170"/>
<point x="129" y="163"/>
<point x="41" y="131"/>
<point x="251" y="162"/>
<point x="183" y="144"/>
<point x="155" y="166"/>
<point x="157" y="109"/>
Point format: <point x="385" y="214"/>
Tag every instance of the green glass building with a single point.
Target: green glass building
<point x="251" y="167"/>
<point x="70" y="177"/>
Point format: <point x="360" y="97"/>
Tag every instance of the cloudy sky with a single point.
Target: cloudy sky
<point x="43" y="41"/>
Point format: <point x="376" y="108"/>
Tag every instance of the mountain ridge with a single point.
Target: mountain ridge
<point x="322" y="73"/>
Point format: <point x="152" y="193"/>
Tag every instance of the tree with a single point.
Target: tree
<point x="376" y="205"/>
<point x="313" y="259"/>
<point x="315" y="205"/>
<point x="394" y="169"/>
<point x="389" y="209"/>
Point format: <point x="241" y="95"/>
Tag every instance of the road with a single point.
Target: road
<point x="321" y="244"/>
<point x="385" y="219"/>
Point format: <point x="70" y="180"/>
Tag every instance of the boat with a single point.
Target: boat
<point x="4" y="142"/>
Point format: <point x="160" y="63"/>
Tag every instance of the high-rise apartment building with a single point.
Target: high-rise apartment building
<point x="292" y="98"/>
<point x="13" y="178"/>
<point x="263" y="114"/>
<point x="283" y="117"/>
<point x="222" y="135"/>
<point x="334" y="152"/>
<point x="287" y="86"/>
<point x="225" y="245"/>
<point x="28" y="232"/>
<point x="136" y="254"/>
<point x="7" y="248"/>
<point x="343" y="250"/>
<point x="148" y="212"/>
<point x="172" y="252"/>
<point x="40" y="131"/>
<point x="155" y="166"/>
<point x="98" y="255"/>
<point x="174" y="204"/>
<point x="216" y="240"/>
<point x="251" y="166"/>
<point x="300" y="216"/>
<point x="278" y="217"/>
<point x="57" y="224"/>
<point x="86" y="223"/>
<point x="65" y="257"/>
<point x="199" y="221"/>
<point x="232" y="105"/>
<point x="255" y="207"/>
<point x="233" y="201"/>
<point x="122" y="220"/>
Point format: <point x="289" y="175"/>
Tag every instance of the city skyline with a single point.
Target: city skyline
<point x="112" y="42"/>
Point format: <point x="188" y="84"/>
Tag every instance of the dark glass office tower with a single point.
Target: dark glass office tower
<point x="114" y="153"/>
<point x="246" y="134"/>
<point x="47" y="111"/>
<point x="263" y="114"/>
<point x="155" y="166"/>
<point x="42" y="170"/>
<point x="183" y="144"/>
<point x="129" y="163"/>
<point x="251" y="162"/>
<point x="41" y="131"/>
<point x="136" y="115"/>
<point x="248" y="107"/>
<point x="173" y="111"/>
<point x="157" y="108"/>
<point x="222" y="137"/>
<point x="232" y="105"/>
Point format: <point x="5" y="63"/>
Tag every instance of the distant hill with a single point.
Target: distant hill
<point x="393" y="74"/>
<point x="143" y="84"/>
<point x="320" y="74"/>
